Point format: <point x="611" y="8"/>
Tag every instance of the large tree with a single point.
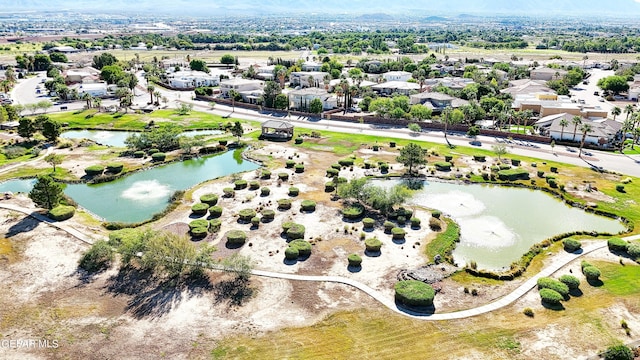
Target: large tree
<point x="199" y="65"/>
<point x="54" y="160"/>
<point x="315" y="106"/>
<point x="46" y="192"/>
<point x="26" y="128"/>
<point x="104" y="59"/>
<point x="271" y="91"/>
<point x="412" y="155"/>
<point x="237" y="130"/>
<point x="615" y="83"/>
<point x="51" y="129"/>
<point x="227" y="59"/>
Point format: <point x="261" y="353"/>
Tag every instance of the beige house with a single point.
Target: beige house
<point x="301" y="78"/>
<point x="546" y="74"/>
<point x="300" y="99"/>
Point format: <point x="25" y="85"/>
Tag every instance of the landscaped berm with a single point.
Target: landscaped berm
<point x="181" y="286"/>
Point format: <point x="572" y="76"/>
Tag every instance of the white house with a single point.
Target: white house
<point x="300" y="99"/>
<point x="189" y="79"/>
<point x="239" y="85"/>
<point x="391" y="87"/>
<point x="603" y="131"/>
<point x="397" y="76"/>
<point x="311" y="66"/>
<point x="301" y="78"/>
<point x="95" y="89"/>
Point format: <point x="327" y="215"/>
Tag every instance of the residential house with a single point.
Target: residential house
<point x="93" y="89"/>
<point x="454" y="83"/>
<point x="301" y="78"/>
<point x="437" y="101"/>
<point x="239" y="85"/>
<point x="190" y="79"/>
<point x="526" y="86"/>
<point x="300" y="99"/>
<point x="603" y="131"/>
<point x="546" y="74"/>
<point x="64" y="49"/>
<point x="311" y="66"/>
<point x="396" y="76"/>
<point x="86" y="75"/>
<point x="548" y="104"/>
<point x="393" y="87"/>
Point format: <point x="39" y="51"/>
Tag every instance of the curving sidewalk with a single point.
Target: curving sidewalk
<point x="560" y="261"/>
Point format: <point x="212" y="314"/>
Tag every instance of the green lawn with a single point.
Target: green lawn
<point x="620" y="280"/>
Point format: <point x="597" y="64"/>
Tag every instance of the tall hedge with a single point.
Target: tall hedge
<point x="550" y="296"/>
<point x="617" y="244"/>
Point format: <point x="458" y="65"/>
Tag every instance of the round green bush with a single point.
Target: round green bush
<point x="138" y="154"/>
<point x="199" y="208"/>
<point x="296" y="231"/>
<point x="266" y="174"/>
<point x="553" y="284"/>
<point x="346" y="162"/>
<point x="209" y="199"/>
<point x="354" y="260"/>
<point x="571" y="245"/>
<point x="299" y="140"/>
<point x="299" y="168"/>
<point x="267" y="215"/>
<point x="515" y="162"/>
<point x="634" y="251"/>
<point x="353" y="212"/>
<point x="265" y="191"/>
<point x="571" y="281"/>
<point x="308" y="205"/>
<point x="159" y="156"/>
<point x="223" y="142"/>
<point x="236" y="237"/>
<point x="215" y="225"/>
<point x="336" y="166"/>
<point x="415" y="222"/>
<point x="246" y="214"/>
<point x="329" y="187"/>
<point x="294" y="191"/>
<point x="551" y="297"/>
<point x="401" y="220"/>
<point x="290" y="163"/>
<point x="368" y="223"/>
<point x="228" y="192"/>
<point x="373" y="244"/>
<point x="618" y="352"/>
<point x="115" y="168"/>
<point x="479" y="158"/>
<point x="620" y="188"/>
<point x="287" y="225"/>
<point x="240" y="184"/>
<point x="215" y="211"/>
<point x="414" y="293"/>
<point x="398" y="233"/>
<point x="384" y="167"/>
<point x="254" y="185"/>
<point x="153" y="151"/>
<point x="442" y="166"/>
<point x="617" y="244"/>
<point x="291" y="253"/>
<point x="332" y="172"/>
<point x="284" y="204"/>
<point x="199" y="232"/>
<point x="255" y="221"/>
<point x="200" y="223"/>
<point x="553" y="169"/>
<point x="388" y="225"/>
<point x="61" y="212"/>
<point x="448" y="158"/>
<point x="283" y="176"/>
<point x="591" y="273"/>
<point x="304" y="247"/>
<point x="94" y="170"/>
<point x="436" y="214"/>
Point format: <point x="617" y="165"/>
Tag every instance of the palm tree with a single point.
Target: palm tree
<point x="97" y="102"/>
<point x="576" y="120"/>
<point x="326" y="80"/>
<point x="157" y="94"/>
<point x="584" y="128"/>
<point x="445" y="117"/>
<point x="615" y="111"/>
<point x="628" y="110"/>
<point x="233" y="95"/>
<point x="151" y="89"/>
<point x="563" y="124"/>
<point x="281" y="74"/>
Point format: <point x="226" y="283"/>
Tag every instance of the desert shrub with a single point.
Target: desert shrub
<point x="299" y="140"/>
<point x="13" y="152"/>
<point x="336" y="166"/>
<point x="299" y="168"/>
<point x="584" y="264"/>
<point x="115" y="168"/>
<point x="384" y="167"/>
<point x="284" y="204"/>
<point x="266" y="174"/>
<point x="254" y="185"/>
<point x="138" y="154"/>
<point x="442" y="166"/>
<point x="153" y="151"/>
<point x="304" y="247"/>
<point x="200" y="223"/>
<point x="540" y="173"/>
<point x="199" y="209"/>
<point x="255" y="221"/>
<point x="479" y="158"/>
<point x="236" y="237"/>
<point x="296" y="231"/>
<point x="553" y="169"/>
<point x="354" y="260"/>
<point x="215" y="225"/>
<point x="98" y="257"/>
<point x="228" y="192"/>
<point x="388" y="225"/>
<point x="159" y="156"/>
<point x="287" y="225"/>
<point x="398" y="233"/>
<point x="289" y="164"/>
<point x="620" y="188"/>
<point x="209" y="199"/>
<point x="392" y="144"/>
<point x="246" y="214"/>
<point x="434" y="224"/>
<point x="414" y="293"/>
<point x="283" y="176"/>
<point x="61" y="212"/>
<point x="528" y="312"/>
<point x="571" y="245"/>
<point x="223" y="142"/>
<point x="436" y="214"/>
<point x="240" y="184"/>
<point x="294" y="191"/>
<point x="626" y="180"/>
<point x="265" y="191"/>
<point x="329" y="186"/>
<point x="346" y="162"/>
<point x="552" y="183"/>
<point x="368" y="223"/>
<point x="618" y="352"/>
<point x="571" y="281"/>
<point x="401" y="220"/>
<point x="367" y="165"/>
<point x="353" y="212"/>
<point x="513" y="174"/>
<point x="308" y="205"/>
<point x="634" y="251"/>
<point x="415" y="222"/>
<point x="553" y="284"/>
<point x="515" y="162"/>
<point x="373" y="244"/>
<point x="199" y="232"/>
<point x="291" y="253"/>
<point x="617" y="244"/>
<point x="332" y="172"/>
<point x="591" y="273"/>
<point x="448" y="158"/>
<point x="94" y="170"/>
<point x="215" y="211"/>
<point x="551" y="297"/>
<point x="267" y="215"/>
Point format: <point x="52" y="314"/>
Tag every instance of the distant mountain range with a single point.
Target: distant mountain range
<point x="252" y="7"/>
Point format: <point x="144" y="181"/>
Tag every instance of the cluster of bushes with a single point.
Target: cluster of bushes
<point x="293" y="231"/>
<point x="114" y="168"/>
<point x="414" y="293"/>
<point x="245" y="215"/>
<point x="590" y="272"/>
<point x="554" y="291"/>
<point x="94" y="170"/>
<point x="296" y="249"/>
<point x="513" y="174"/>
<point x="619" y="245"/>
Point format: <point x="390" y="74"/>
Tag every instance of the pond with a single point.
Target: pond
<point x="499" y="224"/>
<point x="136" y="197"/>
<point x="117" y="138"/>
